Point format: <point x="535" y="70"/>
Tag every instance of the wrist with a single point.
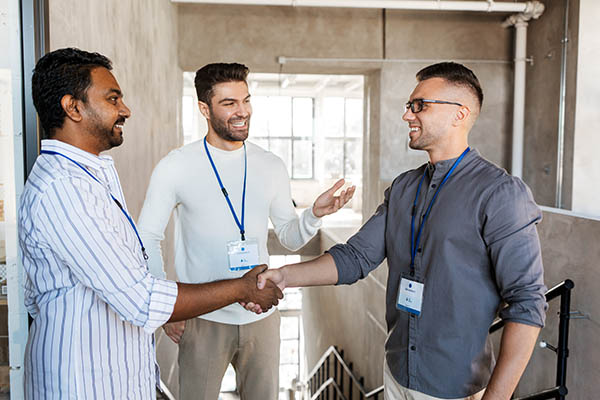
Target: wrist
<point x="314" y="214"/>
<point x="242" y="289"/>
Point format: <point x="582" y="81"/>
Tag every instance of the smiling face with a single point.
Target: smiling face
<point x="229" y="112"/>
<point x="430" y="128"/>
<point x="104" y="111"/>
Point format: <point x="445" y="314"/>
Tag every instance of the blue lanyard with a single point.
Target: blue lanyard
<point x="415" y="244"/>
<point x="111" y="195"/>
<point x="237" y="221"/>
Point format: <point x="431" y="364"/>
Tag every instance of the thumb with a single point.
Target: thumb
<point x="260" y="269"/>
<point x="261" y="282"/>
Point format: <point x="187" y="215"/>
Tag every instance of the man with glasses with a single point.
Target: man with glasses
<point x="459" y="237"/>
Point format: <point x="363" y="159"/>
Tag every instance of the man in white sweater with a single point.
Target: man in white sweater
<point x="223" y="191"/>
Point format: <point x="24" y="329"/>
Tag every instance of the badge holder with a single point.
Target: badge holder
<point x="243" y="254"/>
<point x="410" y="296"/>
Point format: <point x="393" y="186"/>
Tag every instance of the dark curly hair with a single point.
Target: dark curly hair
<point x="454" y="73"/>
<point x="58" y="73"/>
<point x="211" y="74"/>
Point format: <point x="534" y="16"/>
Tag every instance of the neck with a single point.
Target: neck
<point x="78" y="141"/>
<point x="217" y="141"/>
<point x="447" y="153"/>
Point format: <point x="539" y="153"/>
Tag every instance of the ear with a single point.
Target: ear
<point x="204" y="109"/>
<point x="462" y="115"/>
<point x="71" y="107"/>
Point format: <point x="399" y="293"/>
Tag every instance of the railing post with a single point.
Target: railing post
<point x="362" y="387"/>
<point x="327" y="376"/>
<point x="350" y="382"/>
<point x="563" y="338"/>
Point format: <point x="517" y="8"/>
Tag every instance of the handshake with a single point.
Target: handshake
<point x="263" y="289"/>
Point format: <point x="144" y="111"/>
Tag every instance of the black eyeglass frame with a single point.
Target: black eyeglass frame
<point x="411" y="104"/>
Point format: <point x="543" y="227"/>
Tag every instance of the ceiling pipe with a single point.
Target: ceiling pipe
<point x="519" y="21"/>
<point x="434" y="5"/>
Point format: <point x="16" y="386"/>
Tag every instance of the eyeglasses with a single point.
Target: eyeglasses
<point x="416" y="105"/>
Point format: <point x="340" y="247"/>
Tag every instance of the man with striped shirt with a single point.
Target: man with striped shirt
<point x="94" y="304"/>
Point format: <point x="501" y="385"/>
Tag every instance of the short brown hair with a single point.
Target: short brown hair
<point x="211" y="74"/>
<point x="454" y="73"/>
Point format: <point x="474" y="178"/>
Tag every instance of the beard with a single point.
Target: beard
<point x="221" y="129"/>
<point x="104" y="132"/>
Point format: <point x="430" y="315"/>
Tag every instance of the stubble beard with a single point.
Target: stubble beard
<point x="221" y="129"/>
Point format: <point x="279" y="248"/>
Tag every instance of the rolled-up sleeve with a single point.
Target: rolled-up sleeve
<point x="83" y="232"/>
<point x="509" y="230"/>
<point x="365" y="250"/>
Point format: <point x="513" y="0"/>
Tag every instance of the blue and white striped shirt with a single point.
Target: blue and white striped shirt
<point x="94" y="304"/>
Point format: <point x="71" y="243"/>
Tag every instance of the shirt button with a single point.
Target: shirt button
<point x="413" y="348"/>
<point x="419" y="250"/>
<point x="433" y="186"/>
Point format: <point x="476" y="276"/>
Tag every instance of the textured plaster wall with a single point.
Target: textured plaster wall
<point x="140" y="37"/>
<point x="569" y="251"/>
<point x="544" y="45"/>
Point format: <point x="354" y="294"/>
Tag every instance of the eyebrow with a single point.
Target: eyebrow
<point x="231" y="99"/>
<point x="117" y="91"/>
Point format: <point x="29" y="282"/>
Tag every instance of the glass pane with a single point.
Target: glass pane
<point x="333" y="116"/>
<point x="333" y="158"/>
<point x="353" y="158"/>
<point x="303" y="159"/>
<point x="259" y="123"/>
<point x="292" y="299"/>
<point x="288" y="352"/>
<point x="280" y="113"/>
<point x="283" y="149"/>
<point x="354" y="118"/>
<point x="287" y="373"/>
<point x="303" y="116"/>
<point x="289" y="328"/>
<point x="264" y="143"/>
<point x="187" y="108"/>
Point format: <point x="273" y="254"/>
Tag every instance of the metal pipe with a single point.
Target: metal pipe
<point x="284" y="59"/>
<point x="519" y="98"/>
<point x="561" y="112"/>
<point x="563" y="341"/>
<point x="436" y="5"/>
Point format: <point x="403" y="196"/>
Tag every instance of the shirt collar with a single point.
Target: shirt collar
<point x="441" y="167"/>
<point x="81" y="156"/>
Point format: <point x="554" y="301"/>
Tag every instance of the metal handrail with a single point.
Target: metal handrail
<point x="323" y="364"/>
<point x="560" y="391"/>
<point x="325" y="385"/>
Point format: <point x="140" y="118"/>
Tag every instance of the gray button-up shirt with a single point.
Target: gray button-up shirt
<point x="479" y="247"/>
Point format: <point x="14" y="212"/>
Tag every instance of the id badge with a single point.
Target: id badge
<point x="410" y="296"/>
<point x="243" y="255"/>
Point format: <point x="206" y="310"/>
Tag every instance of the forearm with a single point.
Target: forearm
<point x="317" y="272"/>
<point x="518" y="341"/>
<point x="197" y="299"/>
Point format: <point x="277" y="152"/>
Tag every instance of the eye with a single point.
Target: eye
<point x="113" y="99"/>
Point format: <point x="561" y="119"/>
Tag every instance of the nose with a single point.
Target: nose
<point x="244" y="110"/>
<point x="124" y="111"/>
<point x="408" y="115"/>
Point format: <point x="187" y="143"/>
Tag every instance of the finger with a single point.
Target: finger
<point x="261" y="281"/>
<point x="336" y="186"/>
<point x="261" y="268"/>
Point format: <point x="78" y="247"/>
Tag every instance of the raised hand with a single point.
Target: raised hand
<point x="174" y="330"/>
<point x="265" y="297"/>
<point x="327" y="203"/>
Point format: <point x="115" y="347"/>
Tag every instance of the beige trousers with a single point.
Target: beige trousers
<point x="206" y="349"/>
<point x="392" y="390"/>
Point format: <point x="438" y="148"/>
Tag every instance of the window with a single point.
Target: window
<point x="284" y="126"/>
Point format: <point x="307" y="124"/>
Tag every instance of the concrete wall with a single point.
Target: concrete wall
<point x="569" y="251"/>
<point x="544" y="44"/>
<point x="138" y="36"/>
